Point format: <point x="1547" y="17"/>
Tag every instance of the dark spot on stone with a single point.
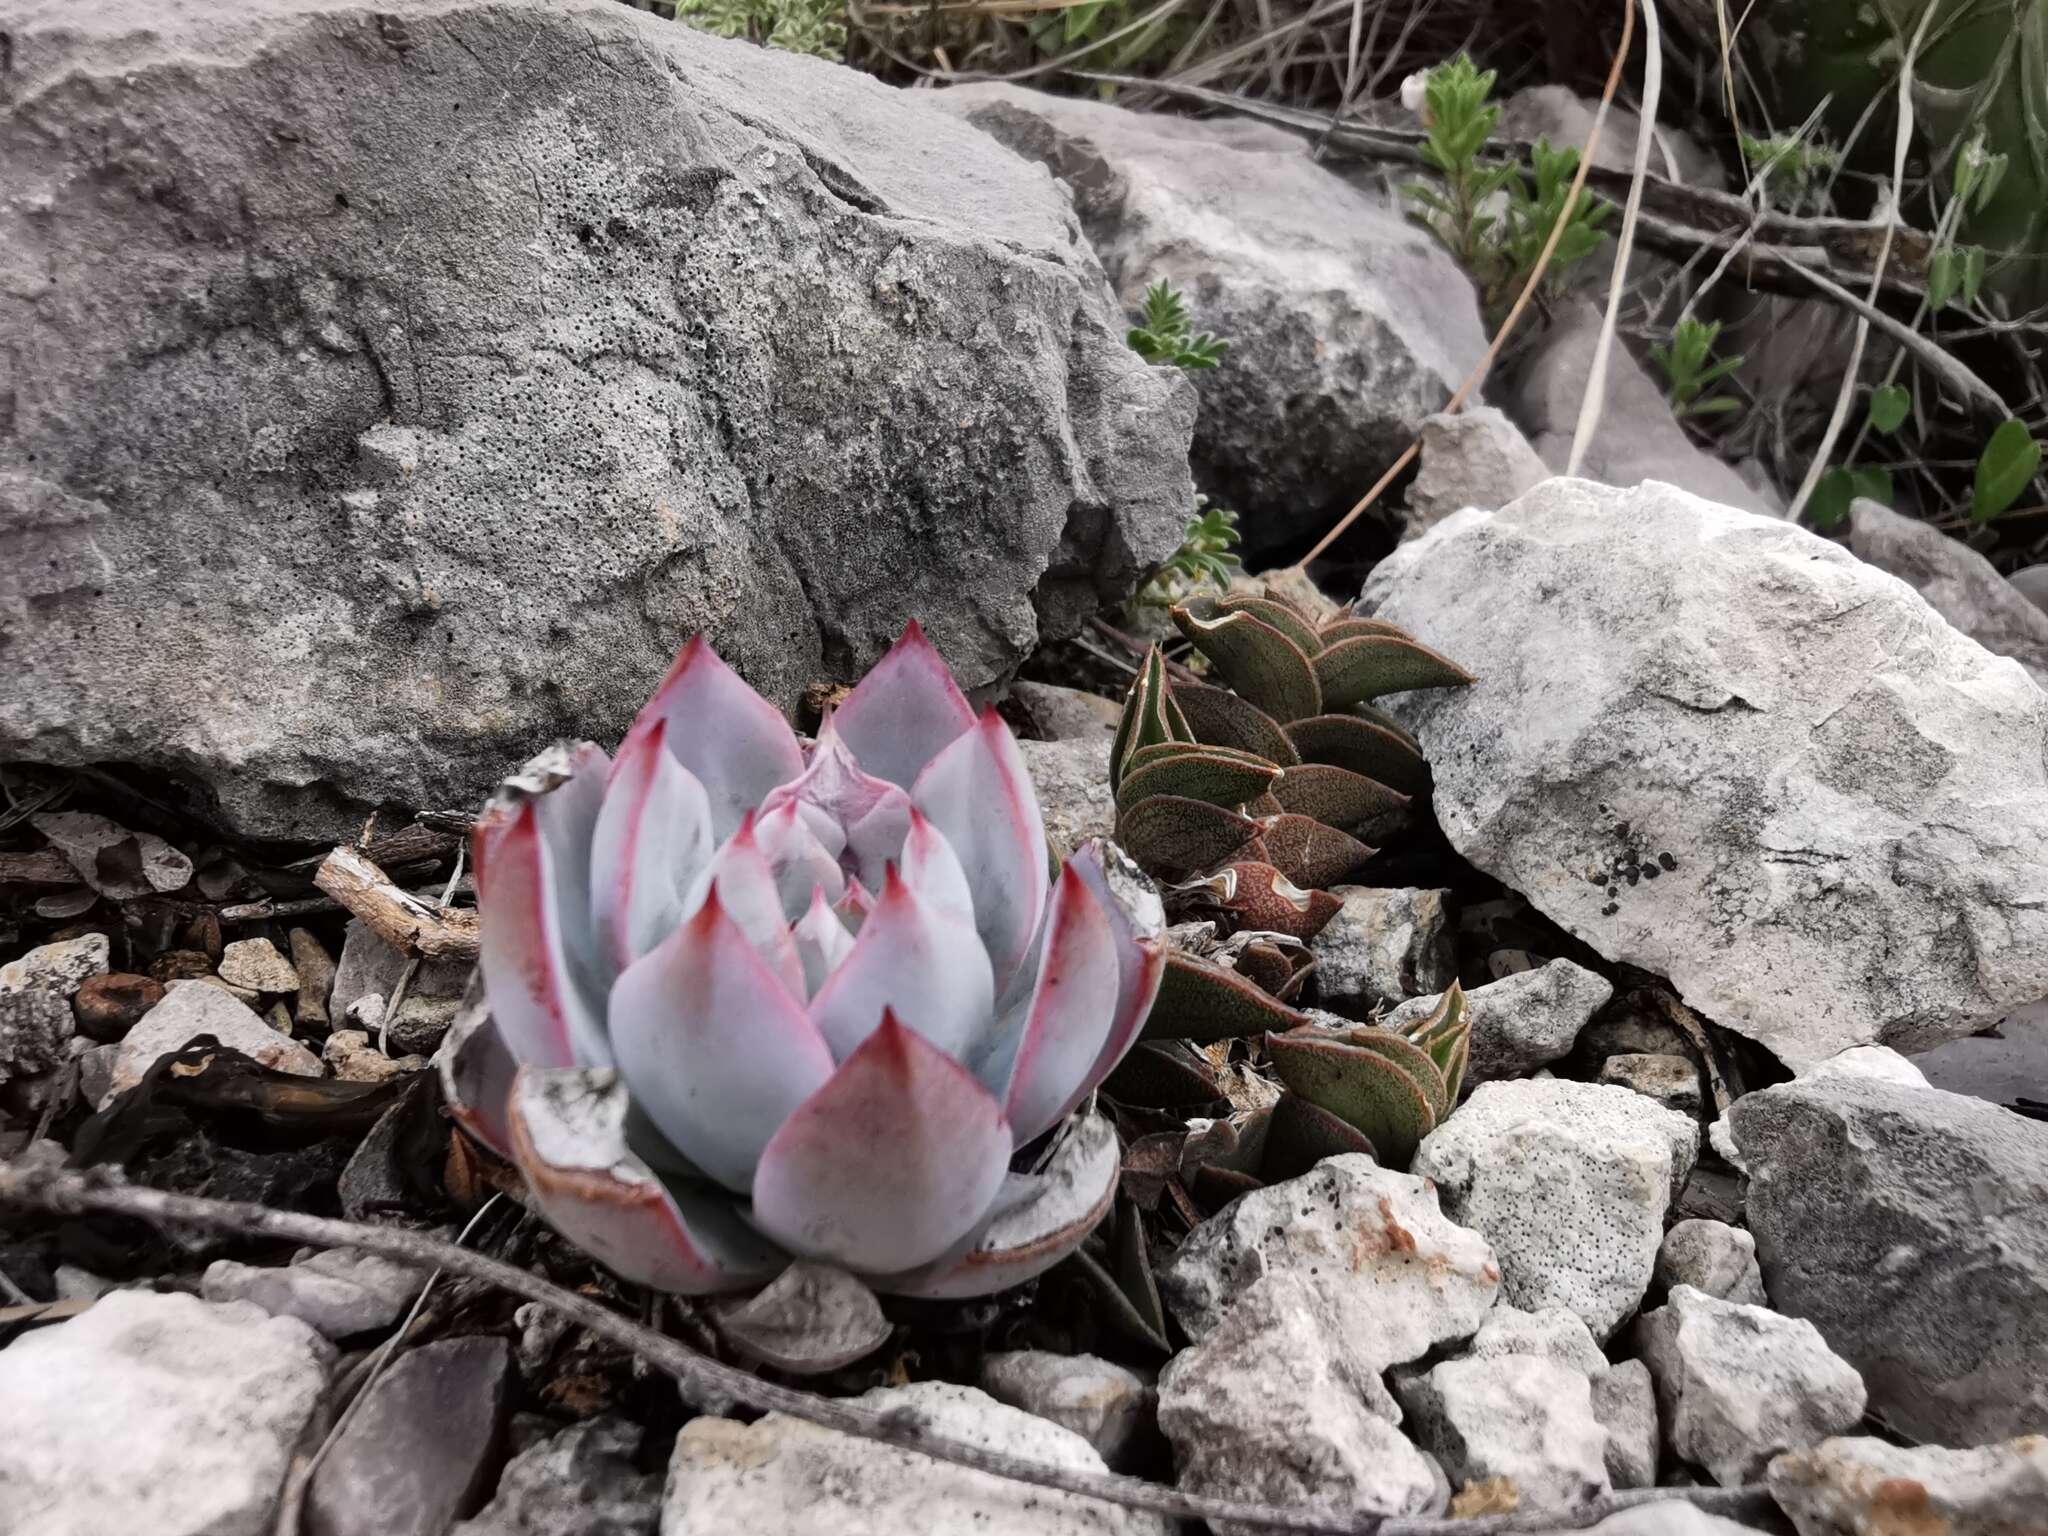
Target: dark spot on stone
<point x="1610" y="909"/>
<point x="1667" y="861"/>
<point x="1651" y="871"/>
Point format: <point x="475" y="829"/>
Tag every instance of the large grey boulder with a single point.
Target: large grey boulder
<point x="1724" y="749"/>
<point x="1958" y="583"/>
<point x="1348" y="327"/>
<point x="1906" y="1223"/>
<point x="397" y="386"/>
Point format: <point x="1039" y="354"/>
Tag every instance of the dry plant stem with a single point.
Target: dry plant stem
<point x="1138" y="648"/>
<point x="1594" y="400"/>
<point x="45" y="866"/>
<point x="716" y="1387"/>
<point x="397" y="916"/>
<point x="1536" y="273"/>
<point x="1956" y="374"/>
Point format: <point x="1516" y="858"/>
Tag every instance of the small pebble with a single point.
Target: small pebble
<point x="256" y="965"/>
<point x="107" y="1007"/>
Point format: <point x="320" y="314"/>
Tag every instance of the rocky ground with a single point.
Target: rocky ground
<point x="364" y="435"/>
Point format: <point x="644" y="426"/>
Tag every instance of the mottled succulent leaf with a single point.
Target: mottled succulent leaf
<point x="1277" y="615"/>
<point x="1257" y="660"/>
<point x="1335" y="796"/>
<point x="1214" y="1187"/>
<point x="1366" y="666"/>
<point x="1220" y="718"/>
<point x="1351" y="627"/>
<point x="1447" y="1036"/>
<point x="1163" y="1074"/>
<point x="1178" y="836"/>
<point x="1302" y="1134"/>
<point x="1261" y="897"/>
<point x="1362" y="746"/>
<point x="1407" y="1055"/>
<point x="1308" y="852"/>
<point x="1273" y="969"/>
<point x="1365" y="1088"/>
<point x="1198" y="774"/>
<point x="1150" y="716"/>
<point x="1166" y="751"/>
<point x="1200" y="1000"/>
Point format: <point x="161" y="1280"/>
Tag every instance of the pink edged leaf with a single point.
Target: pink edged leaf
<point x="717" y="1050"/>
<point x="932" y="869"/>
<point x="888" y="1166"/>
<point x="978" y="794"/>
<point x="476" y="1071"/>
<point x="916" y="959"/>
<point x="748" y="892"/>
<point x="870" y="815"/>
<point x="905" y="711"/>
<point x="734" y="741"/>
<point x="1137" y="921"/>
<point x="568" y="1137"/>
<point x="1070" y="1016"/>
<point x="532" y="862"/>
<point x="822" y="942"/>
<point x="798" y="860"/>
<point x="853" y="908"/>
<point x="1037" y="1220"/>
<point x="651" y="842"/>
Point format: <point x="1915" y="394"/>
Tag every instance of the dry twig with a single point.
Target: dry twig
<point x="414" y="926"/>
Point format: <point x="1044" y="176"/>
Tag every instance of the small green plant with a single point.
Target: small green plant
<point x="1495" y="217"/>
<point x="1691" y="369"/>
<point x="2008" y="462"/>
<point x="815" y="27"/>
<point x="1206" y="558"/>
<point x="1792" y="171"/>
<point x="1168" y="334"/>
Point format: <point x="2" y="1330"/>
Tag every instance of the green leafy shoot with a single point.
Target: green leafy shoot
<point x="1206" y="558"/>
<point x="1690" y="369"/>
<point x="2008" y="462"/>
<point x="1889" y="404"/>
<point x="1168" y="334"/>
<point x="1792" y="171"/>
<point x="815" y="27"/>
<point x="1954" y="276"/>
<point x="1977" y="174"/>
<point x="1828" y="506"/>
<point x="1532" y="215"/>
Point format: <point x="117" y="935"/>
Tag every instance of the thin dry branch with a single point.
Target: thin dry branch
<point x="397" y="916"/>
<point x="716" y="1387"/>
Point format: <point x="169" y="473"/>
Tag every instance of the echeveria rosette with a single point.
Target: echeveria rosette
<point x="755" y="1000"/>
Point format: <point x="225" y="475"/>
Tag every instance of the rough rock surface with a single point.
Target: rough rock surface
<point x="62" y="967"/>
<point x="255" y="964"/>
<point x="1522" y="1417"/>
<point x="191" y="1009"/>
<point x="1100" y="1401"/>
<point x="795" y="1479"/>
<point x="1671" y="1518"/>
<point x="337" y="1291"/>
<point x="1673" y="1081"/>
<point x="1638" y="438"/>
<point x="164" y="1414"/>
<point x="1625" y="1403"/>
<point x="1958" y="583"/>
<point x="576" y="331"/>
<point x="1072" y="780"/>
<point x="1723" y="749"/>
<point x="1383" y="945"/>
<point x="1348" y="327"/>
<point x="1569" y="1183"/>
<point x="1737" y="1384"/>
<point x="35" y="1028"/>
<point x="1473" y="458"/>
<point x="1906" y="1223"/>
<point x="1401" y="1274"/>
<point x="423" y="1446"/>
<point x="1555" y="1333"/>
<point x="1870" y="1487"/>
<point x="1271" y="1405"/>
<point x="582" y="1482"/>
<point x="1713" y="1257"/>
<point x="1878" y="1061"/>
<point x="1523" y="1021"/>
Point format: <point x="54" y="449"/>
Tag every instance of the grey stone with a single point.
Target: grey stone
<point x="421" y="1449"/>
<point x="1878" y="1061"/>
<point x="1065" y="714"/>
<point x="1673" y="1081"/>
<point x="2002" y="1067"/>
<point x="1906" y="1223"/>
<point x="191" y="1009"/>
<point x="35" y="1028"/>
<point x="1523" y="1021"/>
<point x="421" y="1023"/>
<point x="581" y="1482"/>
<point x="163" y="1414"/>
<point x="117" y="863"/>
<point x="1523" y="1417"/>
<point x="657" y="333"/>
<point x="1865" y="1486"/>
<point x="1564" y="117"/>
<point x="1401" y="1275"/>
<point x="1270" y="1405"/>
<point x="1103" y="1403"/>
<point x="1625" y="1403"/>
<point x="370" y="965"/>
<point x="1737" y="1384"/>
<point x="796" y="1479"/>
<point x="255" y="965"/>
<point x="1347" y="326"/>
<point x="1672" y="1517"/>
<point x="1473" y="458"/>
<point x="1569" y="1183"/>
<point x="336" y="1291"/>
<point x="1072" y="780"/>
<point x="1383" y="946"/>
<point x="315" y="969"/>
<point x="1769" y="773"/>
<point x="62" y="967"/>
<point x="1638" y="440"/>
<point x="1958" y="583"/>
<point x="1555" y="1333"/>
<point x="1713" y="1257"/>
<point x="351" y="1057"/>
<point x="2031" y="582"/>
